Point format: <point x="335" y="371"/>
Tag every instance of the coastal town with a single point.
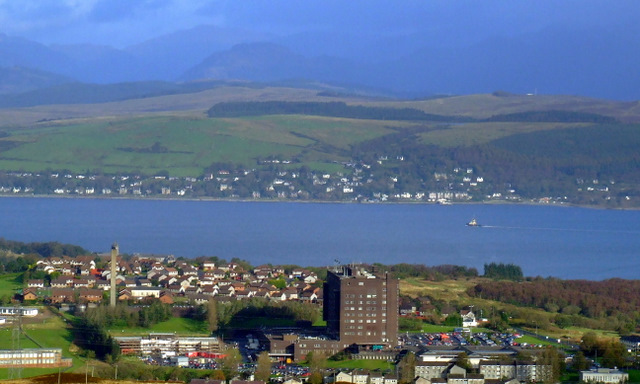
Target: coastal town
<point x="358" y="181"/>
<point x="361" y="307"/>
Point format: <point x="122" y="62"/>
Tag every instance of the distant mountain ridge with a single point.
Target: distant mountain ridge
<point x="269" y="62"/>
<point x="597" y="62"/>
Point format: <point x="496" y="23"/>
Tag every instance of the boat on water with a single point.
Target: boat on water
<point x="473" y="223"/>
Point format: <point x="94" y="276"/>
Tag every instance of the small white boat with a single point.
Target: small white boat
<point x="473" y="223"/>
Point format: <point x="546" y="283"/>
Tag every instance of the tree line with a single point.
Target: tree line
<point x="46" y="249"/>
<point x="501" y="271"/>
<point x="331" y="109"/>
<point x="434" y="273"/>
<point x="614" y="301"/>
<point x="553" y="116"/>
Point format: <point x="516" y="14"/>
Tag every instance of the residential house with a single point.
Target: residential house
<point x="89" y="295"/>
<point x="105" y="285"/>
<point x="198" y="298"/>
<point x="60" y="282"/>
<point x="308" y="297"/>
<point x="208" y="265"/>
<point x="227" y="290"/>
<point x="35" y="283"/>
<point x="468" y="318"/>
<point x="80" y="283"/>
<point x="219" y="274"/>
<point x="166" y="298"/>
<point x="210" y="290"/>
<point x="140" y="292"/>
<point x="125" y="295"/>
<point x="62" y="295"/>
<point x="29" y="294"/>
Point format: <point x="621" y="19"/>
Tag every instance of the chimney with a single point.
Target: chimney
<point x="114" y="272"/>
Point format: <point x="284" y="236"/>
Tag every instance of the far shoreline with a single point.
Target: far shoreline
<point x="270" y="201"/>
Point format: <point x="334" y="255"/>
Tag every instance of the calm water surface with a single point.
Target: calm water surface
<point x="565" y="242"/>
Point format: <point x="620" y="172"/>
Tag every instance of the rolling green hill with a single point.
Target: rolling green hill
<point x="480" y="146"/>
<point x="189" y="145"/>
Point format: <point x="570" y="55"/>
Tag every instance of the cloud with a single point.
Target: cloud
<point x="23" y="17"/>
<point x="122" y="22"/>
<point x="114" y="10"/>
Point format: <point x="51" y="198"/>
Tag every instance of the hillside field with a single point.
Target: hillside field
<point x="189" y="145"/>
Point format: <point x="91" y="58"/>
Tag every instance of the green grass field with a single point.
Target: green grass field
<point x="9" y="284"/>
<point x="50" y="333"/>
<point x="534" y="340"/>
<point x="177" y="325"/>
<point x="6" y="339"/>
<point x="634" y="375"/>
<point x="189" y="144"/>
<point x="361" y="364"/>
<point x="432" y="328"/>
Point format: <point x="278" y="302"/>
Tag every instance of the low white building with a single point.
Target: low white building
<point x="13" y="311"/>
<point x="604" y="375"/>
<point x="140" y="292"/>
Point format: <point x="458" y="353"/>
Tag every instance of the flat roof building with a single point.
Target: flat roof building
<point x="361" y="307"/>
<point x="166" y="344"/>
<point x="604" y="375"/>
<point x="33" y="358"/>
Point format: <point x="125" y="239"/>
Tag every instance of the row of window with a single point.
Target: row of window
<point x="374" y="321"/>
<point x="362" y="296"/>
<point x="361" y="302"/>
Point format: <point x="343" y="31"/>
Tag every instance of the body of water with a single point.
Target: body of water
<point x="566" y="242"/>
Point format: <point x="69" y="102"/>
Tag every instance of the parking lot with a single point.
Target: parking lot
<point x="458" y="339"/>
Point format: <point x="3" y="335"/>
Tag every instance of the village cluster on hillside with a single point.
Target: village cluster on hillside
<point x="78" y="280"/>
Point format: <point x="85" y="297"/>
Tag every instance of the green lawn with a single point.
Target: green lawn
<point x="432" y="328"/>
<point x="177" y="325"/>
<point x="9" y="284"/>
<point x="533" y="340"/>
<point x="361" y="364"/>
<point x="319" y="323"/>
<point x="634" y="375"/>
<point x="6" y="339"/>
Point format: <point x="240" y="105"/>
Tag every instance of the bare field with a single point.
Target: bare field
<point x="196" y="104"/>
<point x="189" y="104"/>
<point x="448" y="290"/>
<point x="482" y="106"/>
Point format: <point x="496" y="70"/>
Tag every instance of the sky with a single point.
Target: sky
<point x="120" y="23"/>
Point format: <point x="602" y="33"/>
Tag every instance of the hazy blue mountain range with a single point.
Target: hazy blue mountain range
<point x="594" y="61"/>
<point x="21" y="79"/>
